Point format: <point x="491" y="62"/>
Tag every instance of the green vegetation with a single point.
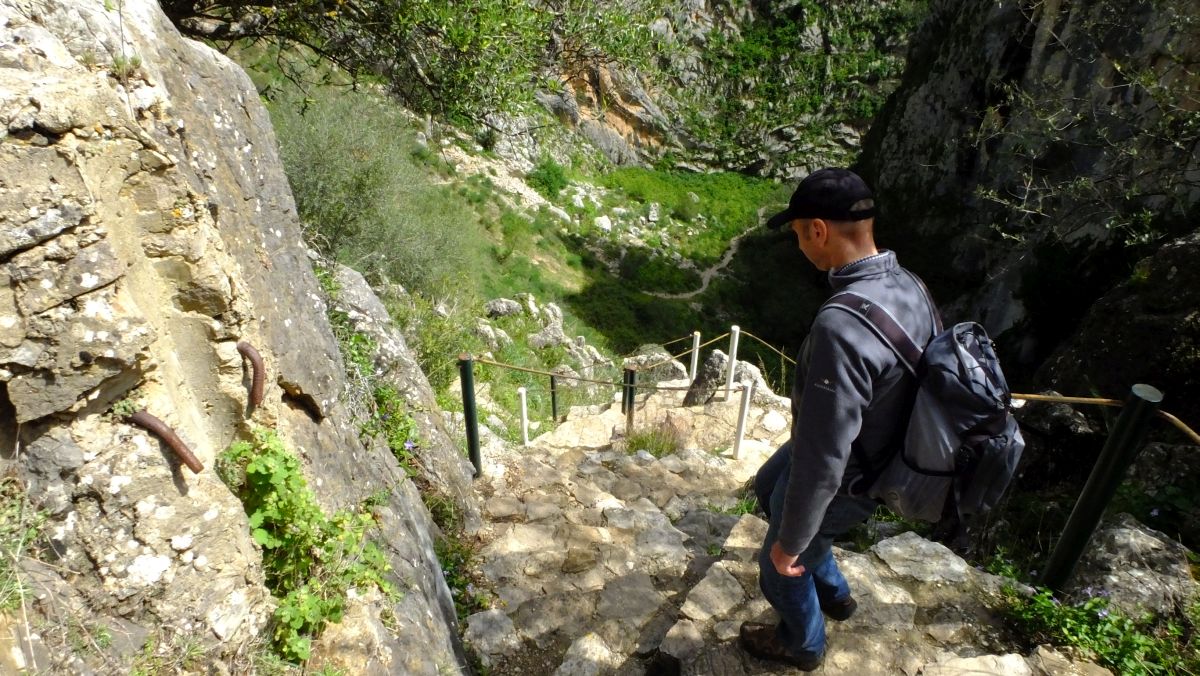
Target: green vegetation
<point x="20" y="527"/>
<point x="728" y="201"/>
<point x="391" y="421"/>
<point x="659" y="441"/>
<point x="548" y="178"/>
<point x="311" y="560"/>
<point x="1103" y="633"/>
<point x="364" y="194"/>
<point x="747" y="503"/>
<point x="435" y="56"/>
<point x="825" y="62"/>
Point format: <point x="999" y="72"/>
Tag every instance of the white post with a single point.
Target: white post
<point x="747" y="395"/>
<point x="735" y="332"/>
<point x="524" y="416"/>
<point x="695" y="356"/>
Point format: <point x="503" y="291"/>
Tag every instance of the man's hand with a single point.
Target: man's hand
<point x="785" y="564"/>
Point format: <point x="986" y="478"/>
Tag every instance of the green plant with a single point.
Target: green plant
<point x="20" y="528"/>
<point x="658" y="441"/>
<point x="457" y="559"/>
<point x="127" y="406"/>
<point x="174" y="652"/>
<point x="547" y="177"/>
<point x="124" y="67"/>
<point x="391" y="421"/>
<point x="1104" y="633"/>
<point x="310" y="559"/>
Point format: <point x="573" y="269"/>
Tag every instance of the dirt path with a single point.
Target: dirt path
<point x="706" y="276"/>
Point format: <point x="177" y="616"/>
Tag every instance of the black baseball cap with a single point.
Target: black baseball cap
<point x="832" y="194"/>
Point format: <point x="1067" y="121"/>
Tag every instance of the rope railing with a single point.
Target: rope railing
<point x="1124" y="441"/>
<point x="1176" y="422"/>
<point x="770" y="347"/>
<point x="672" y="358"/>
<point x="630" y="386"/>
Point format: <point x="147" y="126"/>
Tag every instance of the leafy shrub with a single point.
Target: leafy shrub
<point x="363" y="196"/>
<point x="1116" y="641"/>
<point x="548" y="178"/>
<point x="310" y="560"/>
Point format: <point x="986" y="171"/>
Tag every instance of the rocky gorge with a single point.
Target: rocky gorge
<point x="148" y="232"/>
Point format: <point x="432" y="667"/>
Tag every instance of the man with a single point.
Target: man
<point x="850" y="391"/>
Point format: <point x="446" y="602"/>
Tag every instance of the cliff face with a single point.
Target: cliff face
<point x="146" y="227"/>
<point x="772" y="89"/>
<point x="1034" y="151"/>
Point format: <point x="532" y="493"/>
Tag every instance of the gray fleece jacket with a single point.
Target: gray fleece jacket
<point x="849" y="386"/>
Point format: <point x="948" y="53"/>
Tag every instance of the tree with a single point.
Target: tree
<point x="452" y="59"/>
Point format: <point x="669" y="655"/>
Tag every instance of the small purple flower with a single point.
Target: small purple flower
<point x="1103" y="612"/>
<point x="409" y="445"/>
<point x="1154" y="512"/>
<point x="1089" y="592"/>
<point x="1055" y="601"/>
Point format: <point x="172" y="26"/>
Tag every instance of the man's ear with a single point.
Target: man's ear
<point x="820" y="231"/>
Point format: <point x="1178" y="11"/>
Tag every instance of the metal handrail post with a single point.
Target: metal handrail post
<point x="632" y="397"/>
<point x="1122" y="446"/>
<point x="522" y="395"/>
<point x="625" y="389"/>
<point x="466" y="376"/>
<point x="695" y="356"/>
<point x="735" y="332"/>
<point x="743" y="413"/>
<point x="554" y="399"/>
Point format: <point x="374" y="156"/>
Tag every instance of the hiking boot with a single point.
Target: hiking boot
<point x="840" y="610"/>
<point x="760" y="641"/>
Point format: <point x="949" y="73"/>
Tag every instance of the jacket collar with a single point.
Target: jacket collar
<point x="863" y="268"/>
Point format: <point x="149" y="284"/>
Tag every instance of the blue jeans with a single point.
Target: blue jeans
<point x="798" y="599"/>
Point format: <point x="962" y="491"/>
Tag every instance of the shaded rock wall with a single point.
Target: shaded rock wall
<point x="146" y="226"/>
<point x="1032" y="153"/>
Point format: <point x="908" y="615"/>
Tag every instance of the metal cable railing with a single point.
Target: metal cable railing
<point x="1120" y="449"/>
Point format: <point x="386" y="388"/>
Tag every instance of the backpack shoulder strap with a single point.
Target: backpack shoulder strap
<point x="882" y="323"/>
<point x="934" y="314"/>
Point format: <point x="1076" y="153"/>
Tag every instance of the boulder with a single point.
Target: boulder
<point x="502" y="307"/>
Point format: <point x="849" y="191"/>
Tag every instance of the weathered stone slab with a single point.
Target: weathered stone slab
<point x="986" y="665"/>
<point x="589" y="655"/>
<point x="491" y="633"/>
<point x="880" y="603"/>
<point x="716" y="595"/>
<point x="683" y="641"/>
<point x="910" y="555"/>
<point x="631" y="599"/>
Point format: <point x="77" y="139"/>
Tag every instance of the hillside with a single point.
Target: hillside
<point x="239" y="276"/>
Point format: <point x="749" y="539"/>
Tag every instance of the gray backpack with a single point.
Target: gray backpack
<point x="960" y="447"/>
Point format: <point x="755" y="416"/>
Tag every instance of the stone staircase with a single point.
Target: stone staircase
<point x="608" y="560"/>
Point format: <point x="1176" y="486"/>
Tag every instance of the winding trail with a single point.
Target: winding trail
<point x="707" y="275"/>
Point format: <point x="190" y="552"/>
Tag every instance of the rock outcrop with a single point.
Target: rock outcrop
<point x="1023" y="159"/>
<point x="146" y="227"/>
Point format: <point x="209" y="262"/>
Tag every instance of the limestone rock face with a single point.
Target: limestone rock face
<point x="146" y="227"/>
<point x="955" y="159"/>
<point x="1138" y="568"/>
